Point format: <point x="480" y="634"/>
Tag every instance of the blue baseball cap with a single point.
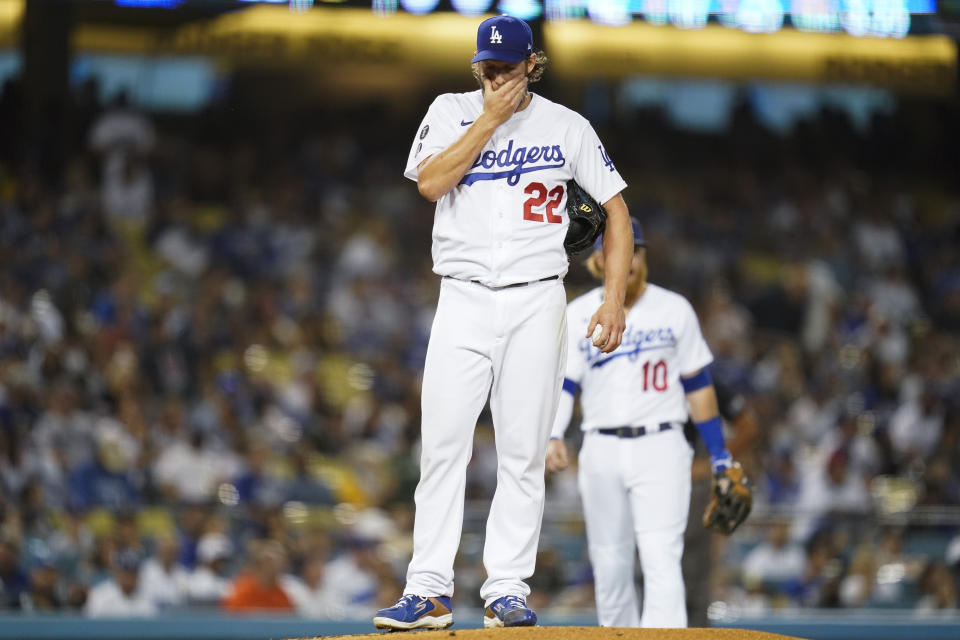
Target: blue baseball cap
<point x="638" y="239"/>
<point x="503" y="38"/>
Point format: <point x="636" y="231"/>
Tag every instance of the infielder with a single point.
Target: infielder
<point x="496" y="161"/>
<point x="634" y="465"/>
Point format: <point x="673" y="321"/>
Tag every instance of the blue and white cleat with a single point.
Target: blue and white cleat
<point x="509" y="611"/>
<point x="416" y="612"/>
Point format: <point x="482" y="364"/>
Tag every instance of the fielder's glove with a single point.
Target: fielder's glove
<point x="587" y="219"/>
<point x="731" y="500"/>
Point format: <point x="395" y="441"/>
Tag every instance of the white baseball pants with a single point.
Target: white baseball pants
<point x="636" y="491"/>
<point x="509" y="343"/>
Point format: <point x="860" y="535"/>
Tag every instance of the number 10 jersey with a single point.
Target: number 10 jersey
<point x="661" y="343"/>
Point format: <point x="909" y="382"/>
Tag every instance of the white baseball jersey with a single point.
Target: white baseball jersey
<point x="635" y="491"/>
<point x="662" y="341"/>
<point x="499" y="236"/>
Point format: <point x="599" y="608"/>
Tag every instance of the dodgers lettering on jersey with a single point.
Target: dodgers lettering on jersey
<point x="634" y="342"/>
<point x="661" y="343"/>
<point x="506" y="220"/>
<point x="514" y="163"/>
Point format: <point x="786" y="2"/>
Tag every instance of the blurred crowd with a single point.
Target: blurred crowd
<point x="212" y="331"/>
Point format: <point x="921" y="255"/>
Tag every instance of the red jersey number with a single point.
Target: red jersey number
<point x="655" y="376"/>
<point x="539" y="195"/>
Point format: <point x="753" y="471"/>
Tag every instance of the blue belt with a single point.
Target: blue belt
<point x="634" y="432"/>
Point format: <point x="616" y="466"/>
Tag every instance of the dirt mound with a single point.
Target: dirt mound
<point x="575" y="633"/>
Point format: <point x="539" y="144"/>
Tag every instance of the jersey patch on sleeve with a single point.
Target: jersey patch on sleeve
<point x="607" y="162"/>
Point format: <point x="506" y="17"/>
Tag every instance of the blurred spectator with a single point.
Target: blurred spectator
<point x="916" y="426"/>
<point x="309" y="592"/>
<point x="181" y="244"/>
<point x="304" y="486"/>
<point x="952" y="554"/>
<point x="894" y="299"/>
<point x="64" y="432"/>
<point x="127" y="190"/>
<point x="848" y="434"/>
<point x="163" y="578"/>
<point x="106" y="481"/>
<point x="834" y="489"/>
<point x="877" y="240"/>
<point x="208" y="583"/>
<point x="258" y="587"/>
<point x="780" y="483"/>
<point x="857" y="586"/>
<point x="776" y="559"/>
<point x="47" y="592"/>
<point x="256" y="484"/>
<point x="122" y="129"/>
<point x="897" y="570"/>
<point x="190" y="470"/>
<point x="123" y="137"/>
<point x="359" y="576"/>
<point x="122" y="595"/>
<point x="359" y="579"/>
<point x="14" y="582"/>
<point x="817" y="586"/>
<point x="938" y="589"/>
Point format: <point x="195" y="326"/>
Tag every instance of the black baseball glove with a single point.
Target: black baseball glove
<point x="587" y="219"/>
<point x="731" y="501"/>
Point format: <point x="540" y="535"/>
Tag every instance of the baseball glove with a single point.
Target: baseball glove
<point x="587" y="219"/>
<point x="731" y="500"/>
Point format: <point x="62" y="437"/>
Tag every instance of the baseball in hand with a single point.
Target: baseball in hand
<point x="597" y="332"/>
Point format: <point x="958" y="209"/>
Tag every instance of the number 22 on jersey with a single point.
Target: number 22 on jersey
<point x="538" y="195"/>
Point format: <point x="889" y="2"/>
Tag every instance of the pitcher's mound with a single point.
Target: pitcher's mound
<point x="574" y="633"/>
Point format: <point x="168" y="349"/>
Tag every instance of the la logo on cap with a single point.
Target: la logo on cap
<point x="503" y="38"/>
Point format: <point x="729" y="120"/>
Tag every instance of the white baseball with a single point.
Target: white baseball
<point x="597" y="332"/>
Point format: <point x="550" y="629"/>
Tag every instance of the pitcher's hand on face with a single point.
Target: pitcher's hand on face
<point x="613" y="319"/>
<point x="501" y="103"/>
<point x="557" y="459"/>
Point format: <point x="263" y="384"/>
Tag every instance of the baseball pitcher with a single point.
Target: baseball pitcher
<point x="497" y="161"/>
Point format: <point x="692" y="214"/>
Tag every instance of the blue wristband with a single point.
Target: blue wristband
<point x="712" y="433"/>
